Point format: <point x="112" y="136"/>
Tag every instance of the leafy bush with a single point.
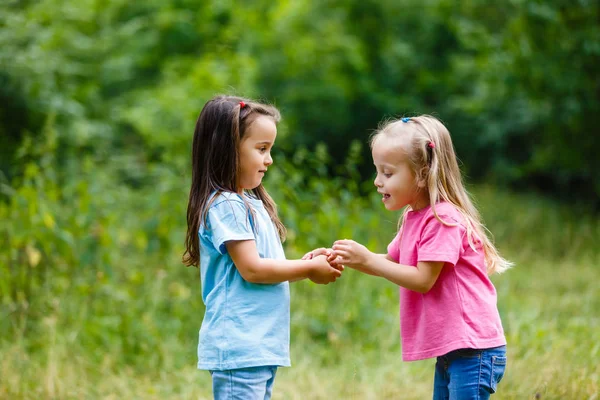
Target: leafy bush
<point x="514" y="81"/>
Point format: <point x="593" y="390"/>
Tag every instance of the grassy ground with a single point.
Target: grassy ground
<point x="345" y="337"/>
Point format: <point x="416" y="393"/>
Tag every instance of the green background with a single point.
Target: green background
<point x="98" y="100"/>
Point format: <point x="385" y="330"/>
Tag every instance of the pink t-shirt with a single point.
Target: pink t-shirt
<point x="460" y="309"/>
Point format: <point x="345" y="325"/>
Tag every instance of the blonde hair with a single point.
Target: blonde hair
<point x="433" y="160"/>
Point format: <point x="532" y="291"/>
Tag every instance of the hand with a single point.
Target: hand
<point x="334" y="261"/>
<point x="322" y="272"/>
<point x="326" y="252"/>
<point x="316" y="252"/>
<point x="350" y="253"/>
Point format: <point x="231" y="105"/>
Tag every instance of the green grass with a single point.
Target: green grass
<point x="131" y="331"/>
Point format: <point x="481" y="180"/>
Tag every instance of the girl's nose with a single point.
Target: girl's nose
<point x="376" y="181"/>
<point x="268" y="160"/>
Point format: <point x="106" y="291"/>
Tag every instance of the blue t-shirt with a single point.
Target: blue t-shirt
<point x="245" y="324"/>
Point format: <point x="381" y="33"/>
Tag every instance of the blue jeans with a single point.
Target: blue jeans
<point x="255" y="383"/>
<point x="469" y="374"/>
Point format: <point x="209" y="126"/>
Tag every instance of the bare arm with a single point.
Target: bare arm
<point x="255" y="269"/>
<point x="420" y="279"/>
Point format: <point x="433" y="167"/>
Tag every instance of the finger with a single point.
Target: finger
<point x="319" y="251"/>
<point x="340" y="247"/>
<point x="336" y="261"/>
<point x="343" y="260"/>
<point x="343" y="242"/>
<point x="342" y="253"/>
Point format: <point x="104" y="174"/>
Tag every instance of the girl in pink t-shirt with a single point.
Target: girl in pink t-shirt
<point x="440" y="258"/>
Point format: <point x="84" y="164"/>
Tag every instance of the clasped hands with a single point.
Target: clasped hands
<point x="331" y="261"/>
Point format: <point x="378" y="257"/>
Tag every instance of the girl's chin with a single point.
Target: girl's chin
<point x="252" y="187"/>
<point x="390" y="206"/>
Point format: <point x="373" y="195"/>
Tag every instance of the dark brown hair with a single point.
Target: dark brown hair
<point x="219" y="131"/>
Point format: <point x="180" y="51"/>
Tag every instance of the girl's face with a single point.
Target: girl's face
<point x="255" y="152"/>
<point x="395" y="179"/>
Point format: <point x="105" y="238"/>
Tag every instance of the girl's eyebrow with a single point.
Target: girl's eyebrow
<point x="265" y="142"/>
<point x="389" y="166"/>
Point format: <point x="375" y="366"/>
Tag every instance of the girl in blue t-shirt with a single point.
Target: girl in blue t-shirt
<point x="234" y="235"/>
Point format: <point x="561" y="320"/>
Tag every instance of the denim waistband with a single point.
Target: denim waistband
<point x="454" y="354"/>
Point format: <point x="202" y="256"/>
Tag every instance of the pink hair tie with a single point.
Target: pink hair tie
<point x="242" y="104"/>
<point x="431" y="145"/>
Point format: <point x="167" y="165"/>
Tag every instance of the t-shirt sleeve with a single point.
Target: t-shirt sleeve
<point x="229" y="220"/>
<point x="441" y="242"/>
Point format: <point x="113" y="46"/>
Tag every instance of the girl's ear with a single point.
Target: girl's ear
<point x="422" y="178"/>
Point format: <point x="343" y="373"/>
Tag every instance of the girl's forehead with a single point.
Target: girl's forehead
<point x="389" y="150"/>
<point x="262" y="128"/>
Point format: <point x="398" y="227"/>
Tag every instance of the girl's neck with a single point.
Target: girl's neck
<point x="421" y="202"/>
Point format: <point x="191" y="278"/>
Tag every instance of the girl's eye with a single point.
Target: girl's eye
<point x="263" y="149"/>
<point x="387" y="175"/>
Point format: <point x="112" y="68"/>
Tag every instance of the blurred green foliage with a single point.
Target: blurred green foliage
<point x="98" y="101"/>
<point x="95" y="302"/>
<point x="515" y="81"/>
